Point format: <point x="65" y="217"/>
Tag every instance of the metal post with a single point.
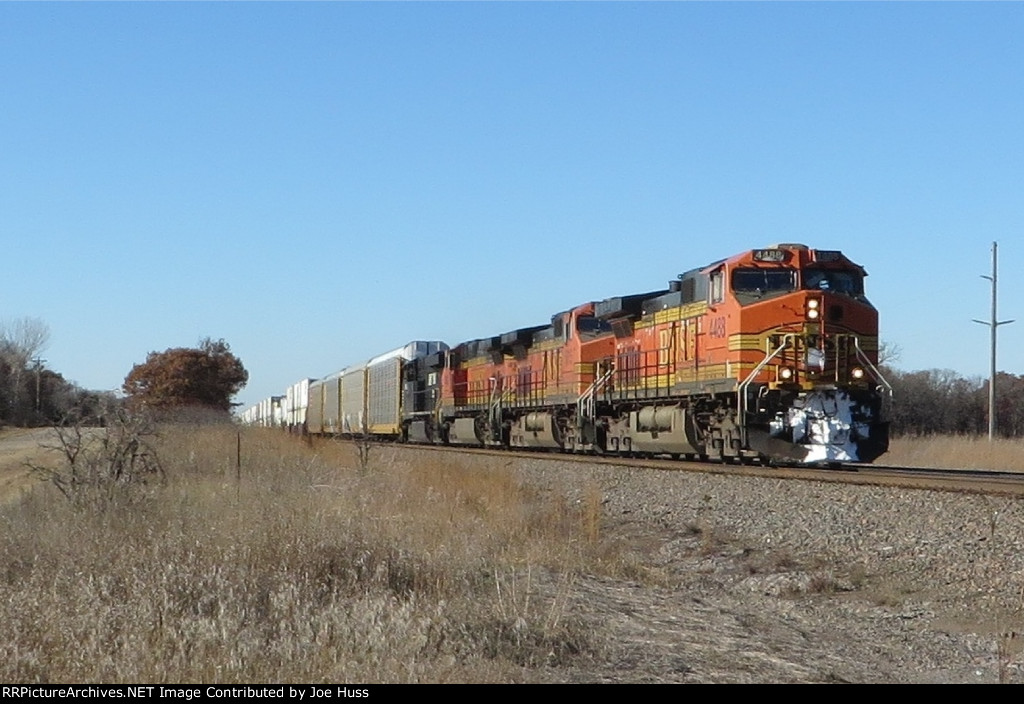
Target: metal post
<point x="993" y="324"/>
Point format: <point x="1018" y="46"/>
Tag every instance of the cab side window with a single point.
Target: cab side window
<point x="716" y="293"/>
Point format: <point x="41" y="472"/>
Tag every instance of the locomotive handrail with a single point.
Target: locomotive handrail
<point x="867" y="362"/>
<point x="863" y="358"/>
<point x="741" y="398"/>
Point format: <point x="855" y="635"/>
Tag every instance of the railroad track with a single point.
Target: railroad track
<point x="979" y="481"/>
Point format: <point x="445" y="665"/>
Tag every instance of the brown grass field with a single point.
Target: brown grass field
<point x="954" y="452"/>
<point x="300" y="565"/>
<point x="308" y="569"/>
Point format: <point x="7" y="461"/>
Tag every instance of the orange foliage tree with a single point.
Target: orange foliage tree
<point x="208" y="376"/>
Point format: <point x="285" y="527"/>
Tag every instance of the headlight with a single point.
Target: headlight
<point x="812" y="308"/>
<point x="857" y="373"/>
<point x="785" y="373"/>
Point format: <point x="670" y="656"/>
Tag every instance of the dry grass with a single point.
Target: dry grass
<point x="306" y="570"/>
<point x="967" y="452"/>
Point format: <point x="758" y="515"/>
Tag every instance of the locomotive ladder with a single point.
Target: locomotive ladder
<point x="586" y="406"/>
<point x="496" y="404"/>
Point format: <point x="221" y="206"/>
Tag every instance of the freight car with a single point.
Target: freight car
<point x="769" y="355"/>
<point x="372" y="398"/>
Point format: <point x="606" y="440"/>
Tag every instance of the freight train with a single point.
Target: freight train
<point x="767" y="356"/>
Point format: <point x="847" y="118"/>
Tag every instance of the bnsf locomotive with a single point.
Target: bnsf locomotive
<point x="769" y="355"/>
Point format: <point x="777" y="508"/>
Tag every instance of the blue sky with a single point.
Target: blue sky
<point x="317" y="183"/>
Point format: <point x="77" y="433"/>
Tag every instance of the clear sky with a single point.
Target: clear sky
<point x="318" y="183"/>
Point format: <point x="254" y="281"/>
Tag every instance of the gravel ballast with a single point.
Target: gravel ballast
<point x="745" y="579"/>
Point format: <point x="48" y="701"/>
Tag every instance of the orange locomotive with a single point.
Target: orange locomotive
<point x="768" y="355"/>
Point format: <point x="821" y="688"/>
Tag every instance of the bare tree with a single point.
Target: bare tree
<point x="29" y="336"/>
<point x="889" y="352"/>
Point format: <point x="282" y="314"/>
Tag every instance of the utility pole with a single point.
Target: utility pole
<point x="993" y="324"/>
<point x="39" y="366"/>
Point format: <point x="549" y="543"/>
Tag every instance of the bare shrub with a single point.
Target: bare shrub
<point x="1009" y="645"/>
<point x="98" y="464"/>
<point x="364" y="447"/>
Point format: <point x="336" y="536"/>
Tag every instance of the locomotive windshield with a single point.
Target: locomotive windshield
<point x="758" y="283"/>
<point x="848" y="282"/>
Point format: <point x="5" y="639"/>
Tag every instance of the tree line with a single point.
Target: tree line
<point x="942" y="402"/>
